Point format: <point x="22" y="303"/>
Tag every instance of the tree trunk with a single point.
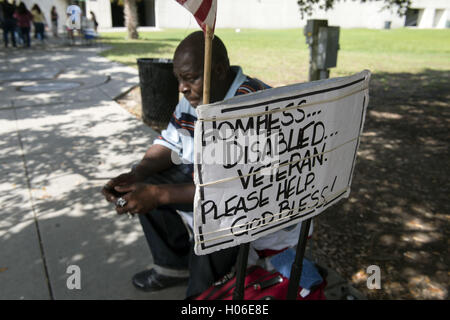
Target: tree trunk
<point x="131" y="20"/>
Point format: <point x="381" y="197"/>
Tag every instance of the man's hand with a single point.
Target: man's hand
<point x="109" y="190"/>
<point x="156" y="159"/>
<point x="140" y="198"/>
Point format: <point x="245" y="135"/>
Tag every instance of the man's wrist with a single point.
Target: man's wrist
<point x="140" y="172"/>
<point x="162" y="193"/>
<point x="175" y="193"/>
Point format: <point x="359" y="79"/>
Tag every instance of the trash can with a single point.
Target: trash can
<point x="159" y="91"/>
<point x="387" y="24"/>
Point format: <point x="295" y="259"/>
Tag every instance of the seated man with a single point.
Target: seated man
<point x="165" y="204"/>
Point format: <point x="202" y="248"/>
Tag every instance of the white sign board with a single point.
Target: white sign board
<point x="271" y="159"/>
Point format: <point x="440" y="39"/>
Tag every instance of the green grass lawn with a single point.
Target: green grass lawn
<point x="280" y="57"/>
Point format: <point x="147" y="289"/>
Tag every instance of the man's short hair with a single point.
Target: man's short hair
<point x="196" y="43"/>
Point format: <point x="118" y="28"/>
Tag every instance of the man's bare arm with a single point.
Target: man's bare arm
<point x="156" y="159"/>
<point x="142" y="198"/>
<point x="176" y="193"/>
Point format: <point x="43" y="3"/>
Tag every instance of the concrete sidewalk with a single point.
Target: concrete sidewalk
<point x="62" y="136"/>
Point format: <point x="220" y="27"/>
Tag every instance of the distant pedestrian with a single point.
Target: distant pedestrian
<point x="54" y="18"/>
<point x="1" y="15"/>
<point x="9" y="22"/>
<point x="24" y="18"/>
<point x="73" y="21"/>
<point x="39" y="22"/>
<point x="94" y="20"/>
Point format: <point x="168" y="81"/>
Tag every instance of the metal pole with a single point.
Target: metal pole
<point x="241" y="267"/>
<point x="297" y="266"/>
<point x="313" y="71"/>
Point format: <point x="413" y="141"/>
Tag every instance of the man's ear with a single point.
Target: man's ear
<point x="220" y="71"/>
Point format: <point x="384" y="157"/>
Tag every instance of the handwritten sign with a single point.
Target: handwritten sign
<point x="267" y="160"/>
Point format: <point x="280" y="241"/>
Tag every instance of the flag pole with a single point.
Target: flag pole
<point x="209" y="33"/>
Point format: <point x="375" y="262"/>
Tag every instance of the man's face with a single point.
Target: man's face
<point x="189" y="73"/>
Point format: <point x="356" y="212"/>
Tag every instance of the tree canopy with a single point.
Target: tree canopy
<point x="307" y="6"/>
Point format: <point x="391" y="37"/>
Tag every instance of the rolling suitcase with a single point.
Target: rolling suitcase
<point x="256" y="283"/>
<point x="260" y="284"/>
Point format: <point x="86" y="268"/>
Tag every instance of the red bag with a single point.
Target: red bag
<point x="260" y="284"/>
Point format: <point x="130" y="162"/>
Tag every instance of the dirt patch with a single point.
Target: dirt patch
<point x="397" y="216"/>
<point x="132" y="102"/>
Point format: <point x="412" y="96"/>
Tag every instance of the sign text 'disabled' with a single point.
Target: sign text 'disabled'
<point x="270" y="159"/>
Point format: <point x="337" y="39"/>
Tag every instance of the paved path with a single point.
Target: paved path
<point x="62" y="136"/>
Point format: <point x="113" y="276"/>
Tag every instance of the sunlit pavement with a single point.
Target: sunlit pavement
<point x="62" y="137"/>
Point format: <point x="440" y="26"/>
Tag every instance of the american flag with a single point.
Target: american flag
<point x="204" y="11"/>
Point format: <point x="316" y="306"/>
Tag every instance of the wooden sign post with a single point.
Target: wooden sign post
<point x="209" y="34"/>
<point x="241" y="263"/>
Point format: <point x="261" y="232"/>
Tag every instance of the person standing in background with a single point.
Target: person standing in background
<point x="1" y="15"/>
<point x="94" y="20"/>
<point x="9" y="22"/>
<point x="24" y="18"/>
<point x="73" y="21"/>
<point x="39" y="22"/>
<point x="54" y="19"/>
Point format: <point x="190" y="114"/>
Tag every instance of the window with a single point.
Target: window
<point x="438" y="18"/>
<point x="412" y="17"/>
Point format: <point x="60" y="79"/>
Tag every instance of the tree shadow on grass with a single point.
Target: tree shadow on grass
<point x="152" y="48"/>
<point x="397" y="215"/>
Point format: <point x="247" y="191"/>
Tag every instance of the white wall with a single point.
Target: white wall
<point x="351" y="14"/>
<point x="102" y="11"/>
<point x="278" y="14"/>
<point x="101" y="8"/>
<point x="433" y="13"/>
<point x="251" y="14"/>
<point x="46" y="6"/>
<point x="270" y="14"/>
<point x="170" y="14"/>
<point x="258" y="14"/>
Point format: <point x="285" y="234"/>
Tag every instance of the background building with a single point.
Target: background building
<point x="261" y="14"/>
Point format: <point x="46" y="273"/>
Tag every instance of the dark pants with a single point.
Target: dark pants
<point x="39" y="30"/>
<point x="25" y="34"/>
<point x="9" y="25"/>
<point x="169" y="242"/>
